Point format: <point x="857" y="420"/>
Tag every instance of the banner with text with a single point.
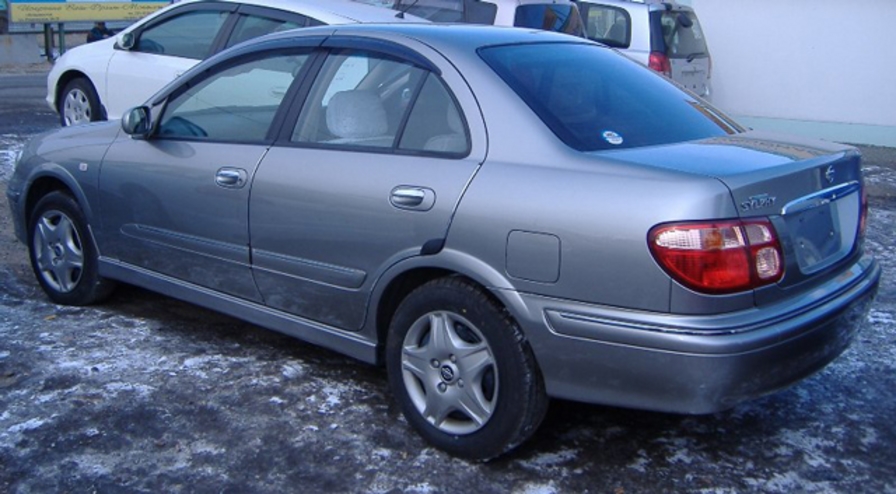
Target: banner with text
<point x="42" y="11"/>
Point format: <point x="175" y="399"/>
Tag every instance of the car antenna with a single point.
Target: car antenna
<point x="402" y="11"/>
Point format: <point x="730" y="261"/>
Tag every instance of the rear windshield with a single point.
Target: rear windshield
<point x="594" y="99"/>
<point x="561" y="18"/>
<point x="678" y="34"/>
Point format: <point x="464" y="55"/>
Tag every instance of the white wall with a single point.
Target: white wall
<point x="819" y="67"/>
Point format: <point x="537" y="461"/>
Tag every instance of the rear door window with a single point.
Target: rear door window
<point x="563" y="18"/>
<point x="593" y="98"/>
<point x="367" y="101"/>
<point x="253" y="26"/>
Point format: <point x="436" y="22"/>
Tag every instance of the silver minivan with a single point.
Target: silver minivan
<point x="663" y="35"/>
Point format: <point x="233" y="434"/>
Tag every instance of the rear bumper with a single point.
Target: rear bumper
<point x="695" y="364"/>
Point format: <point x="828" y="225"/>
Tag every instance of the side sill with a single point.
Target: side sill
<point x="346" y="343"/>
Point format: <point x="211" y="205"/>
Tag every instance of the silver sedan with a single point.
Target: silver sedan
<point x="497" y="215"/>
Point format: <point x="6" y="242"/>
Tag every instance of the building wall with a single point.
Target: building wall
<point x="825" y="68"/>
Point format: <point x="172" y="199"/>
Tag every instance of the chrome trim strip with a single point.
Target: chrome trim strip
<point x="820" y="198"/>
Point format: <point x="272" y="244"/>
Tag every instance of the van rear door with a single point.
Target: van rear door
<point x="677" y="34"/>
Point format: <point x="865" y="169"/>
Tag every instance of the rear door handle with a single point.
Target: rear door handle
<point x="412" y="197"/>
<point x="231" y="178"/>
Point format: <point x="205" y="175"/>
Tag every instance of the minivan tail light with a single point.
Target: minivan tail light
<point x="719" y="257"/>
<point x="659" y="62"/>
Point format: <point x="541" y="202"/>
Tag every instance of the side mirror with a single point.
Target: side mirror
<point x="126" y="41"/>
<point x="136" y="122"/>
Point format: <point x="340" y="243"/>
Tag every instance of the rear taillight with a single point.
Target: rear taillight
<point x="719" y="257"/>
<point x="659" y="62"/>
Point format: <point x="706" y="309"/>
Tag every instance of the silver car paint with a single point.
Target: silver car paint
<point x="162" y="209"/>
<point x="600" y="329"/>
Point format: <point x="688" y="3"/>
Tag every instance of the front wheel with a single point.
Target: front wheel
<point x="462" y="371"/>
<point x="80" y="103"/>
<point x="62" y="253"/>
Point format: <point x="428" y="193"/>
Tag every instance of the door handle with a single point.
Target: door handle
<point x="231" y="178"/>
<point x="412" y="197"/>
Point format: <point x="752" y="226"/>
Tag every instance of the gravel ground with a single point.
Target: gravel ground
<point x="148" y="394"/>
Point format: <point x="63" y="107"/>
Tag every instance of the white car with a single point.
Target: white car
<point x="102" y="80"/>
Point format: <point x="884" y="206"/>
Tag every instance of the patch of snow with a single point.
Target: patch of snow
<point x="292" y="371"/>
<point x="28" y="425"/>
<point x="548" y="460"/>
<point x="640" y="463"/>
<point x="538" y="489"/>
<point x="141" y="390"/>
<point x="10" y="145"/>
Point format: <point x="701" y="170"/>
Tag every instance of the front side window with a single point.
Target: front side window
<point x="237" y="104"/>
<point x="611" y="26"/>
<point x="563" y="18"/>
<point x="189" y="35"/>
<point x="593" y="98"/>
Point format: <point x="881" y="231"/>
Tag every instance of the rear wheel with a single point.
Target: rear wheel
<point x="462" y="371"/>
<point x="62" y="253"/>
<point x="80" y="103"/>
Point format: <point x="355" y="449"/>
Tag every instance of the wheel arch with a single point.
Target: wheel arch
<point x="68" y="77"/>
<point x="45" y="184"/>
<point x="407" y="276"/>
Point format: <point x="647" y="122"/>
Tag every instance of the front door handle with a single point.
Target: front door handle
<point x="231" y="178"/>
<point x="412" y="197"/>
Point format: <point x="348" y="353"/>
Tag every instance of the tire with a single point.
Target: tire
<point x="79" y="104"/>
<point x="471" y="387"/>
<point x="62" y="253"/>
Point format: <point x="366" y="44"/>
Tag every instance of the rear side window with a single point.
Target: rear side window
<point x="593" y="98"/>
<point x="189" y="35"/>
<point x="678" y="34"/>
<point x="611" y="26"/>
<point x="251" y="26"/>
<point x="370" y="102"/>
<point x="563" y="18"/>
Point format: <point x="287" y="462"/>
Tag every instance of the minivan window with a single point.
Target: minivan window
<point x="679" y="40"/>
<point x="593" y="98"/>
<point x="609" y="25"/>
<point x="561" y="18"/>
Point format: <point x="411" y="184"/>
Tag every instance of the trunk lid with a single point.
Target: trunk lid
<point x="811" y="190"/>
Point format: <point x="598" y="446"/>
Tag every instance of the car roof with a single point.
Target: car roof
<point x="440" y="35"/>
